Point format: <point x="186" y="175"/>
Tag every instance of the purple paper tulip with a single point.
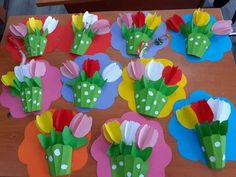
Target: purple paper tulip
<point x="222" y="27"/>
<point x="37" y="68"/>
<point x="101" y="27"/>
<point x="126" y="19"/>
<point x="19" y="30"/>
<point x="136" y="69"/>
<point x="70" y="69"/>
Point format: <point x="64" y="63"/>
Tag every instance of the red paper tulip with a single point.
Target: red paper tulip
<point x="62" y="118"/>
<point x="174" y="23"/>
<point x="172" y="75"/>
<point x="203" y="111"/>
<point x="90" y="67"/>
<point x="138" y="19"/>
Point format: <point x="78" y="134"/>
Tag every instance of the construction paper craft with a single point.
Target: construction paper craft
<point x="138" y="148"/>
<point x="152" y="86"/>
<point x="33" y="37"/>
<point x="91" y="81"/>
<point x="28" y="90"/>
<point x="200" y="37"/>
<point x="204" y="128"/>
<point x="65" y="150"/>
<point x="140" y="34"/>
<point x="85" y="34"/>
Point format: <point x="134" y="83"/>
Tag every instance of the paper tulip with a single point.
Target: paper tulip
<point x="112" y="72"/>
<point x="22" y="71"/>
<point x="203" y="111"/>
<point x="77" y="20"/>
<point x="33" y="24"/>
<point x="221" y="109"/>
<point x="200" y="18"/>
<point x="101" y="27"/>
<point x="19" y="30"/>
<point x="153" y="70"/>
<point x="81" y="125"/>
<point x="129" y="129"/>
<point x="8" y="78"/>
<point x="50" y="24"/>
<point x="136" y="69"/>
<point x="146" y="136"/>
<point x="90" y="67"/>
<point x="89" y="19"/>
<point x="62" y="118"/>
<point x="44" y="122"/>
<point x="174" y="23"/>
<point x="125" y="19"/>
<point x="222" y="27"/>
<point x="112" y="132"/>
<point x="152" y="21"/>
<point x="139" y="19"/>
<point x="37" y="68"/>
<point x="70" y="69"/>
<point x="172" y="75"/>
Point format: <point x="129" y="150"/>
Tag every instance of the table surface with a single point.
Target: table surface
<point x="216" y="78"/>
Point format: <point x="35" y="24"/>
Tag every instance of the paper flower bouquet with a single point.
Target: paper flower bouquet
<point x="209" y="118"/>
<point x="137" y="30"/>
<point x="131" y="146"/>
<point x="199" y="31"/>
<point x="34" y="34"/>
<point x="85" y="27"/>
<point x="152" y="85"/>
<point x="61" y="132"/>
<point x="87" y="84"/>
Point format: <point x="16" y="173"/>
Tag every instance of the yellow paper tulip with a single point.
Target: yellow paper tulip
<point x="8" y="78"/>
<point x="200" y="18"/>
<point x="112" y="132"/>
<point x="33" y="24"/>
<point x="187" y="117"/>
<point x="44" y="122"/>
<point x="78" y="21"/>
<point x="152" y="21"/>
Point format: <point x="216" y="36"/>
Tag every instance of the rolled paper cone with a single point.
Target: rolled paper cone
<point x="86" y="94"/>
<point x="197" y="44"/>
<point x="35" y="44"/>
<point x="214" y="148"/>
<point x="31" y="99"/>
<point x="149" y="102"/>
<point x="59" y="159"/>
<point x="133" y="42"/>
<point x="81" y="43"/>
<point x="128" y="166"/>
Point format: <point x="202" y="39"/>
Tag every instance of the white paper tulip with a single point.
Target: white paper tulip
<point x="220" y="109"/>
<point x="22" y="71"/>
<point x="129" y="129"/>
<point x="50" y="24"/>
<point x="89" y="19"/>
<point x="153" y="70"/>
<point x="112" y="72"/>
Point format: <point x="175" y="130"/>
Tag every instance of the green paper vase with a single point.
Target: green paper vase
<point x="35" y="44"/>
<point x="31" y="98"/>
<point x="197" y="44"/>
<point x="59" y="159"/>
<point x="134" y="40"/>
<point x="86" y="94"/>
<point x="149" y="102"/>
<point x="128" y="166"/>
<point x="81" y="43"/>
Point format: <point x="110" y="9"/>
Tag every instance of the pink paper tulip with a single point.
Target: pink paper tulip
<point x="37" y="68"/>
<point x="70" y="69"/>
<point x="101" y="27"/>
<point x="146" y="136"/>
<point x="19" y="30"/>
<point x="136" y="69"/>
<point x="222" y="27"/>
<point x="81" y="125"/>
<point x="126" y="19"/>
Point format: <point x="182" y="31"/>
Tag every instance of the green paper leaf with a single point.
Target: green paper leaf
<point x="186" y="29"/>
<point x="223" y="127"/>
<point x="113" y="150"/>
<point x="125" y="31"/>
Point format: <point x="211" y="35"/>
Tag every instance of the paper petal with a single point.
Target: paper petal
<point x="62" y="118"/>
<point x="101" y="27"/>
<point x="44" y="122"/>
<point x="136" y="69"/>
<point x="220" y="109"/>
<point x="19" y="73"/>
<point x="70" y="69"/>
<point x="50" y="24"/>
<point x="8" y="78"/>
<point x="203" y="111"/>
<point x="112" y="72"/>
<point x="126" y="19"/>
<point x="89" y="19"/>
<point x="129" y="129"/>
<point x="112" y="132"/>
<point x="222" y="27"/>
<point x="153" y="70"/>
<point x="37" y="68"/>
<point x="172" y="75"/>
